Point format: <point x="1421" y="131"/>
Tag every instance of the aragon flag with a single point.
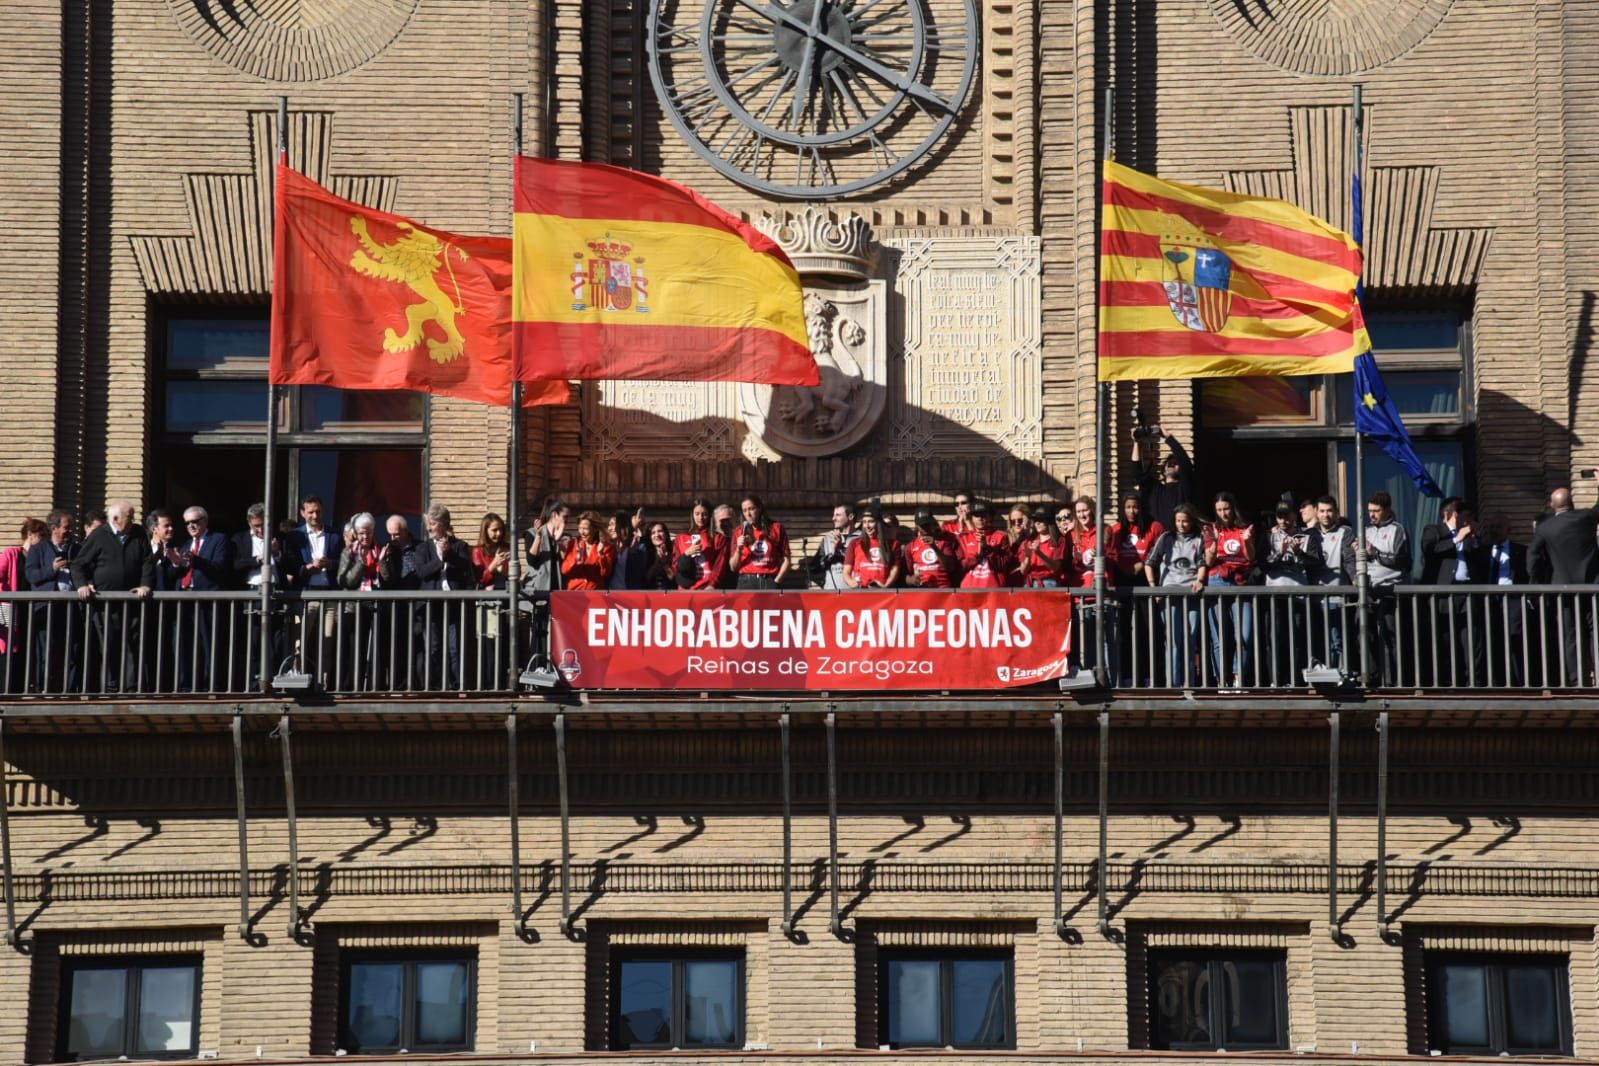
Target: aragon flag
<point x="624" y="275"/>
<point x="362" y="299"/>
<point x="1199" y="282"/>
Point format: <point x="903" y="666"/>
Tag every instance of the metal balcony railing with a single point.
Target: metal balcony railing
<point x="1255" y="639"/>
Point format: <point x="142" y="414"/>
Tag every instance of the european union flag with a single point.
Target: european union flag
<point x="1375" y="413"/>
<point x="1378" y="418"/>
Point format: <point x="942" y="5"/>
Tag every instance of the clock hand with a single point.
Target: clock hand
<point x="905" y="84"/>
<point x="802" y="91"/>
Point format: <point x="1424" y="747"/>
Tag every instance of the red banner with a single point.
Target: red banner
<point x="836" y="641"/>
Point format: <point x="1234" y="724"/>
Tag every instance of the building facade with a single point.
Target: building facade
<point x="1330" y="874"/>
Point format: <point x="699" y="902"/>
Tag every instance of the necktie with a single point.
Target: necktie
<point x="188" y="575"/>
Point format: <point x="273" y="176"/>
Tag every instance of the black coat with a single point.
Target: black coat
<point x="39" y="568"/>
<point x="456" y="565"/>
<point x="1438" y="558"/>
<point x="1563" y="550"/>
<point x="1519" y="574"/>
<point x="113" y="567"/>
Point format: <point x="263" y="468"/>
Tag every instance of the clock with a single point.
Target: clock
<point x="812" y="99"/>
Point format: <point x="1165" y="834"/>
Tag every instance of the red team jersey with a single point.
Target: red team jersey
<point x="984" y="570"/>
<point x="1129" y="546"/>
<point x="712" y="559"/>
<point x="766" y="554"/>
<point x="1084" y="544"/>
<point x="1231" y="544"/>
<point x="933" y="560"/>
<point x="871" y="563"/>
<point x="1034" y="569"/>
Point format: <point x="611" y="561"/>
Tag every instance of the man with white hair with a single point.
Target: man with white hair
<point x="116" y="558"/>
<point x="204" y="563"/>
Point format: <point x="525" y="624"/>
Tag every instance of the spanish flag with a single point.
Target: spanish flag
<point x="624" y="275"/>
<point x="1203" y="283"/>
<point x="362" y="299"/>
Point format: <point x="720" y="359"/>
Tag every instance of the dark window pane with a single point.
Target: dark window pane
<point x="1250" y="401"/>
<point x="913" y="1002"/>
<point x="645" y="1002"/>
<point x="1417" y="394"/>
<point x="441" y="1003"/>
<point x="98" y="1013"/>
<point x="376" y="1005"/>
<point x="385" y="482"/>
<point x="1464" y="995"/>
<point x="166" y="1009"/>
<point x="1401" y="332"/>
<point x="710" y="1002"/>
<point x="212" y="344"/>
<point x="1532" y="1007"/>
<point x="1250" y="995"/>
<point x="1182" y="1003"/>
<point x="198" y="406"/>
<point x="982" y="1007"/>
<point x="326" y="408"/>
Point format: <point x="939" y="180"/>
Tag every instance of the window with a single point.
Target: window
<point x="1498" y="1005"/>
<point x="358" y="450"/>
<point x="142" y="1008"/>
<point x="1297" y="434"/>
<point x="676" y="1001"/>
<point x="941" y="1000"/>
<point x="391" y="1002"/>
<point x="1218" y="1001"/>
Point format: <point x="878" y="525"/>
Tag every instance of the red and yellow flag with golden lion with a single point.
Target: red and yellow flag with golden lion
<point x="362" y="299"/>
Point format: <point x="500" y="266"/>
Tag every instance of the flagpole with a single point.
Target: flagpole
<point x="513" y="570"/>
<point x="1102" y="453"/>
<point x="269" y="517"/>
<point x="1362" y="574"/>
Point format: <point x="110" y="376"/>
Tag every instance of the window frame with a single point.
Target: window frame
<point x="676" y="1025"/>
<point x="1213" y="960"/>
<point x="164" y="317"/>
<point x="1498" y="1020"/>
<point x="131" y="966"/>
<point x="408" y="958"/>
<point x="946" y="993"/>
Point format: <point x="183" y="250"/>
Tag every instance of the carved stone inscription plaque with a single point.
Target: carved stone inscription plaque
<point x="660" y="420"/>
<point x="970" y="372"/>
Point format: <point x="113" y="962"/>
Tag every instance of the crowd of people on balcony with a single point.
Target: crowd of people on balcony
<point x="1157" y="537"/>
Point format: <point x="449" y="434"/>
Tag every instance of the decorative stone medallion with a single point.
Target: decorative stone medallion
<point x="293" y="40"/>
<point x="1332" y="37"/>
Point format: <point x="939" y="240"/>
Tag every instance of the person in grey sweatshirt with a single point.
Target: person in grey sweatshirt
<point x="1388" y="562"/>
<point x="1177" y="563"/>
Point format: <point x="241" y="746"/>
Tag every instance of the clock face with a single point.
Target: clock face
<point x="811" y="99"/>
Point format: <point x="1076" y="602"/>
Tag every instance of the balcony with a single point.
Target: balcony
<point x="1151" y="648"/>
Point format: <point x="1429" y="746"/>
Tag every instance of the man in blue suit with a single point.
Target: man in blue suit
<point x="58" y="646"/>
<point x="202" y="563"/>
<point x="311" y="559"/>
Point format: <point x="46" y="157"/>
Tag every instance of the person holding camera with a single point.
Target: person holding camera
<point x="932" y="555"/>
<point x="761" y="555"/>
<point x="1173" y="483"/>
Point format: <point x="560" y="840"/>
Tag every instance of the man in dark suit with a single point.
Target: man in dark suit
<point x="116" y="558"/>
<point x="204" y="563"/>
<point x="58" y="644"/>
<point x="444" y="563"/>
<point x="1564" y="552"/>
<point x="311" y="558"/>
<point x="1454" y="553"/>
